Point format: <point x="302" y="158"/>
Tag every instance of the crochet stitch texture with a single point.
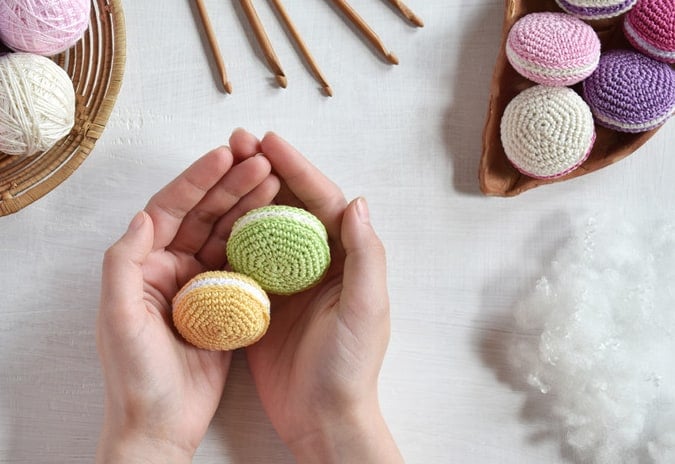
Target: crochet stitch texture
<point x="596" y="9"/>
<point x="221" y="310"/>
<point x="630" y="92"/>
<point x="284" y="249"/>
<point x="650" y="28"/>
<point x="553" y="48"/>
<point x="547" y="131"/>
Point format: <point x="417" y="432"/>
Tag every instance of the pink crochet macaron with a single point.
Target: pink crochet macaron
<point x="547" y="132"/>
<point x="650" y="27"/>
<point x="553" y="49"/>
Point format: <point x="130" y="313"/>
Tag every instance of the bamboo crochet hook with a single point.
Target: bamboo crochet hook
<point x="407" y="12"/>
<point x="213" y="43"/>
<point x="264" y="41"/>
<point x="303" y="47"/>
<point x="365" y="29"/>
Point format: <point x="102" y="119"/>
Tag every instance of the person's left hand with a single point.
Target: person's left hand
<point x="160" y="392"/>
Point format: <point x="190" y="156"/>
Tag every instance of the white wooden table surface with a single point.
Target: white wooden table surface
<point x="407" y="137"/>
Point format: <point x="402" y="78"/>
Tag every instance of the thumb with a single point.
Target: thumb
<point x="364" y="292"/>
<point x="122" y="278"/>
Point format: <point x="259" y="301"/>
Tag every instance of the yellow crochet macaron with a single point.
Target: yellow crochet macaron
<point x="221" y="310"/>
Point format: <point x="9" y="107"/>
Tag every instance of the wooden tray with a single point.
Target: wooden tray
<point x="497" y="175"/>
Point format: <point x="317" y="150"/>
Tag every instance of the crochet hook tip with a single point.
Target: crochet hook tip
<point x="393" y="59"/>
<point x="281" y="80"/>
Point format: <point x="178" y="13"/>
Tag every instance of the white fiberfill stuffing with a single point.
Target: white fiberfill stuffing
<point x="602" y="344"/>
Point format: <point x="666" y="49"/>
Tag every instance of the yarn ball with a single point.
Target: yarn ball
<point x="650" y="27"/>
<point x="285" y="249"/>
<point x="596" y="9"/>
<point x="37" y="104"/>
<point x="630" y="92"/>
<point x="594" y="338"/>
<point x="44" y="27"/>
<point x="547" y="132"/>
<point x="553" y="48"/>
<point x="221" y="310"/>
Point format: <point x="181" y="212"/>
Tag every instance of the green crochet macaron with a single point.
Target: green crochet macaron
<point x="284" y="249"/>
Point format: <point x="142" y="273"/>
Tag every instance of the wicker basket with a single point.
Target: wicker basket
<point x="96" y="65"/>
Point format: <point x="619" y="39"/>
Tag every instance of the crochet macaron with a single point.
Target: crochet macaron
<point x="630" y="92"/>
<point x="596" y="9"/>
<point x="553" y="48"/>
<point x="221" y="310"/>
<point x="650" y="27"/>
<point x="285" y="249"/>
<point x="547" y="131"/>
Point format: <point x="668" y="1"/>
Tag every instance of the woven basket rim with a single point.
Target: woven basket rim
<point x="47" y="174"/>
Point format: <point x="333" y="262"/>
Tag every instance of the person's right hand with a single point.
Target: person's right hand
<point x="160" y="392"/>
<point x="316" y="369"/>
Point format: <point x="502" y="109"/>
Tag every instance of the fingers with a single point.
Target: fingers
<point x="169" y="206"/>
<point x="197" y="226"/>
<point x="244" y="144"/>
<point x="122" y="277"/>
<point x="318" y="193"/>
<point x="364" y="294"/>
<point x="212" y="254"/>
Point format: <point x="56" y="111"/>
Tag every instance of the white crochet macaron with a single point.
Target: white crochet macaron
<point x="547" y="131"/>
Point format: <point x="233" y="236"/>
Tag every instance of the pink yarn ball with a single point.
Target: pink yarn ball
<point x="43" y="27"/>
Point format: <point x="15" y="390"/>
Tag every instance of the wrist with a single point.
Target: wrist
<point x="136" y="448"/>
<point x="359" y="436"/>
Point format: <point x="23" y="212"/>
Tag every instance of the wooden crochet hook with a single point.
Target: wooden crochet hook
<point x="213" y="43"/>
<point x="366" y="30"/>
<point x="407" y="12"/>
<point x="264" y="41"/>
<point x="303" y="47"/>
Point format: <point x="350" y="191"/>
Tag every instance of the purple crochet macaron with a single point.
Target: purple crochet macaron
<point x="596" y="9"/>
<point x="650" y="27"/>
<point x="547" y="132"/>
<point x="630" y="92"/>
<point x="553" y="48"/>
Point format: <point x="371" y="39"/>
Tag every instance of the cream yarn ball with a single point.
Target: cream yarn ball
<point x="37" y="104"/>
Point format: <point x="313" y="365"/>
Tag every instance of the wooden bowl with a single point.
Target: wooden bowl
<point x="95" y="65"/>
<point x="497" y="175"/>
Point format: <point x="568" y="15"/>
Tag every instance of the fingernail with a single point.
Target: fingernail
<point x="137" y="221"/>
<point x="362" y="210"/>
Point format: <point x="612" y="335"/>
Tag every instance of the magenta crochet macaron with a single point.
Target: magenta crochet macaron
<point x="553" y="49"/>
<point x="547" y="131"/>
<point x="596" y="9"/>
<point x="650" y="27"/>
<point x="630" y="92"/>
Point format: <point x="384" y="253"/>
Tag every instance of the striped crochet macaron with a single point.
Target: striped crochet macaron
<point x="285" y="249"/>
<point x="596" y="9"/>
<point x="630" y="92"/>
<point x="221" y="311"/>
<point x="650" y="27"/>
<point x="547" y="131"/>
<point x="553" y="48"/>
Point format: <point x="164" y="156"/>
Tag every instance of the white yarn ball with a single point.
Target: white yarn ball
<point x="37" y="104"/>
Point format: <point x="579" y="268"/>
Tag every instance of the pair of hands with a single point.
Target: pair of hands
<point x="315" y="370"/>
